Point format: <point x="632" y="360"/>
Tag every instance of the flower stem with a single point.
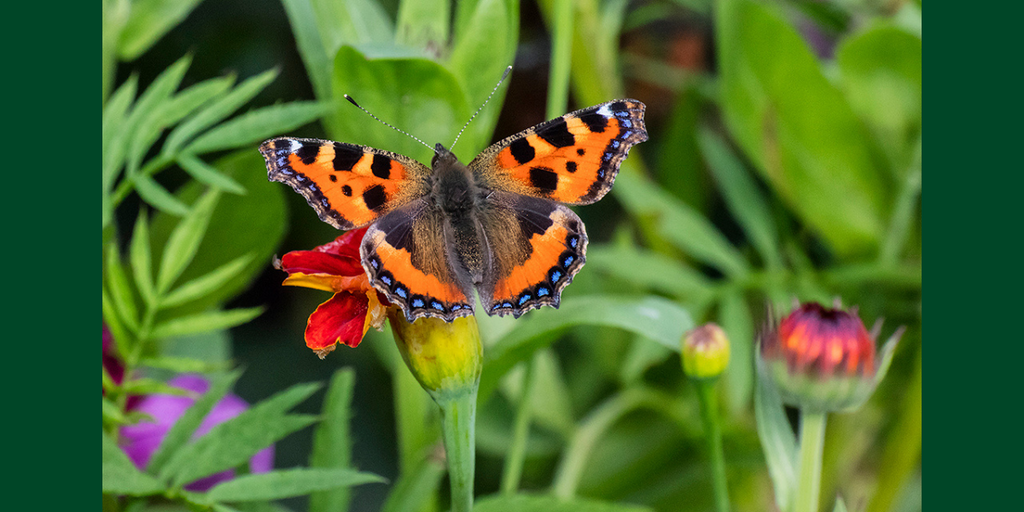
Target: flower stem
<point x="812" y="441"/>
<point x="458" y="425"/>
<point x="713" y="434"/>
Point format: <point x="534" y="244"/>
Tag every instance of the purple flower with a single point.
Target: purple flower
<point x="142" y="439"/>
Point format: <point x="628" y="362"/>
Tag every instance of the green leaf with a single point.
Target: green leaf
<point x="332" y="445"/>
<point x="416" y="95"/>
<point x="777" y="440"/>
<point x="217" y="110"/>
<point x="184" y="241"/>
<point x="288" y="483"/>
<point x="317" y="62"/>
<point x="201" y="322"/>
<point x="207" y="174"/>
<point x="235" y="441"/>
<point x="121" y="290"/>
<point x="352" y="22"/>
<point x="148" y="22"/>
<point x="480" y="53"/>
<point x="881" y="76"/>
<point x="158" y="93"/>
<point x="112" y="414"/>
<point x="648" y="270"/>
<point x="656" y="318"/>
<point x="115" y="134"/>
<point x="416" y="487"/>
<point x="230" y="231"/>
<point x="734" y="315"/>
<point x="201" y="286"/>
<point x="157" y="196"/>
<point x="141" y="258"/>
<point x="120" y="476"/>
<point x="256" y="126"/>
<point x="806" y="140"/>
<point x="182" y="430"/>
<point x="545" y="503"/>
<point x="112" y="319"/>
<point x="182" y="364"/>
<point x="745" y="201"/>
<point x="144" y="386"/>
<point x="680" y="224"/>
<point x="423" y="24"/>
<point x="840" y="505"/>
<point x="174" y="109"/>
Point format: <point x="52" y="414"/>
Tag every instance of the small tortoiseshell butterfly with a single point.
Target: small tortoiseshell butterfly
<point x="495" y="226"/>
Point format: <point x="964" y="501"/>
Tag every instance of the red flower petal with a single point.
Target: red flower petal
<point x="340" y="257"/>
<point x="345" y="245"/>
<point x="315" y="262"/>
<point x="339" y="320"/>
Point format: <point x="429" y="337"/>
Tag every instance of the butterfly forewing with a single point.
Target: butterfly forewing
<point x="348" y="185"/>
<point x="572" y="159"/>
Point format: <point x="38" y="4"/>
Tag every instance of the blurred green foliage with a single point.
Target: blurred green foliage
<point x="784" y="162"/>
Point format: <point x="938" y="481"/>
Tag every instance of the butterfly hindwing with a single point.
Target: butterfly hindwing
<point x="348" y="185"/>
<point x="572" y="159"/>
<point x="406" y="258"/>
<point x="535" y="247"/>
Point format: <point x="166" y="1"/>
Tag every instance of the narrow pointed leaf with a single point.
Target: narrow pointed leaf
<point x="332" y="444"/>
<point x="235" y="441"/>
<point x="653" y="317"/>
<point x="680" y="224"/>
<point x="744" y="199"/>
<point x="183" y="364"/>
<point x="276" y="485"/>
<point x="217" y="110"/>
<point x="206" y="173"/>
<point x="120" y="476"/>
<point x="115" y="136"/>
<point x="157" y="196"/>
<point x="546" y="503"/>
<point x="201" y="286"/>
<point x="120" y="290"/>
<point x="158" y="92"/>
<point x="149" y="21"/>
<point x="777" y="440"/>
<point x="202" y="322"/>
<point x="182" y="430"/>
<point x="256" y="126"/>
<point x="184" y="240"/>
<point x="140" y="255"/>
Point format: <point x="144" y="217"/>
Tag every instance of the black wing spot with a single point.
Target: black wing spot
<point x="374" y="197"/>
<point x="557" y="134"/>
<point x="543" y="178"/>
<point x="334" y="179"/>
<point x="581" y="151"/>
<point x="345" y="157"/>
<point x="570" y="166"/>
<point x="345" y="189"/>
<point x="381" y="166"/>
<point x="307" y="153"/>
<point x="522" y="151"/>
<point x="595" y="122"/>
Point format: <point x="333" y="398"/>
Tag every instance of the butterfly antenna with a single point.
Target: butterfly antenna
<point x="503" y="77"/>
<point x="352" y="101"/>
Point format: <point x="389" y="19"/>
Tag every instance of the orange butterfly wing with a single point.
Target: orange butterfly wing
<point x="572" y="159"/>
<point x="349" y="186"/>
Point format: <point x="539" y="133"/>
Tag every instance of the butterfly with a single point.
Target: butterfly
<point x="498" y="226"/>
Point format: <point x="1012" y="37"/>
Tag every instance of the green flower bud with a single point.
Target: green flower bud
<point x="705" y="352"/>
<point x="445" y="357"/>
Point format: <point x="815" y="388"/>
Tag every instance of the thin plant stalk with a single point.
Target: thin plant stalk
<point x="513" y="470"/>
<point x="812" y="442"/>
<point x="458" y="421"/>
<point x="713" y="435"/>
